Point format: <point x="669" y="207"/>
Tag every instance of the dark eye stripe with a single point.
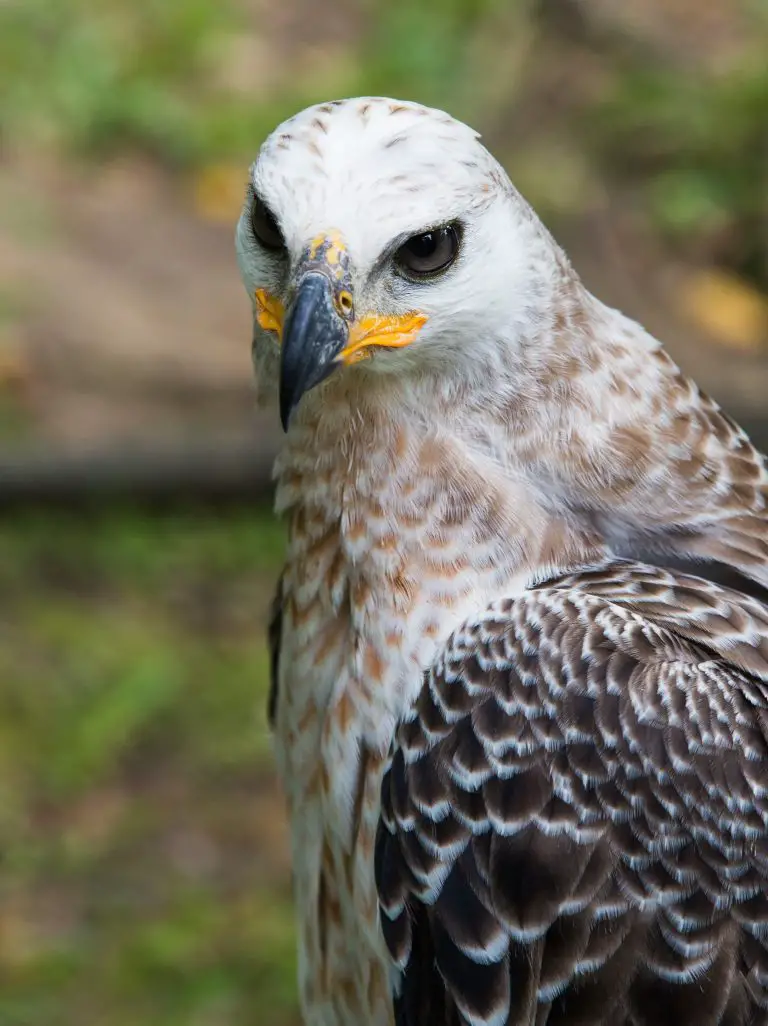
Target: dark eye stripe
<point x="265" y="226"/>
<point x="428" y="253"/>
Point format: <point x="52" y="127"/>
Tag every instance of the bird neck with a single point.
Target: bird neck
<point x="614" y="436"/>
<point x="399" y="527"/>
<point x="411" y="503"/>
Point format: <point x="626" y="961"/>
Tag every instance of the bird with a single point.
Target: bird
<point x="519" y="645"/>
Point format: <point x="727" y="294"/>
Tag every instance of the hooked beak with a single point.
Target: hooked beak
<point x="314" y="335"/>
<point x="321" y="330"/>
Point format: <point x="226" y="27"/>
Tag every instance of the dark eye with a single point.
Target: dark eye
<point x="265" y="226"/>
<point x="429" y="253"/>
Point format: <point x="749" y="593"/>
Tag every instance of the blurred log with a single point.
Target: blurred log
<point x="230" y="470"/>
<point x="217" y="470"/>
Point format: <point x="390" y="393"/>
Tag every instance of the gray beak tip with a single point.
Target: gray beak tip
<point x="314" y="334"/>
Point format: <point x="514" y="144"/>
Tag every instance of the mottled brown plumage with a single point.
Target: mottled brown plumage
<point x="501" y="515"/>
<point x="574" y="819"/>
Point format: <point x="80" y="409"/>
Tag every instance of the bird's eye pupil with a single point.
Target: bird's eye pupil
<point x="423" y="246"/>
<point x="426" y="254"/>
<point x="265" y="226"/>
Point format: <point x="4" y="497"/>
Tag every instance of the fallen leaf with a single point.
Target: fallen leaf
<point x="218" y="192"/>
<point x="727" y="308"/>
<point x="14" y="369"/>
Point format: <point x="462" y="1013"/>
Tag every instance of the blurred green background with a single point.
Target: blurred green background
<point x="144" y="875"/>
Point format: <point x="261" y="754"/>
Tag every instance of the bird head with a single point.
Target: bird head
<point x="381" y="237"/>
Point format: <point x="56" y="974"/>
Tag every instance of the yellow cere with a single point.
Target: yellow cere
<point x="392" y="332"/>
<point x="369" y="331"/>
<point x="331" y="249"/>
<point x="269" y="312"/>
<point x="314" y="246"/>
<point x="334" y="243"/>
<point x="333" y="255"/>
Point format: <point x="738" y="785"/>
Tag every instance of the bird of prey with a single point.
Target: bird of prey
<point x="520" y="721"/>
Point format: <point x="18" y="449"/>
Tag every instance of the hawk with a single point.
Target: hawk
<point x="520" y="716"/>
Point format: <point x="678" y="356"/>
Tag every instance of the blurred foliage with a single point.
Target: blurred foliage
<point x="14" y="374"/>
<point x="436" y="51"/>
<point x="698" y="146"/>
<point x="115" y="74"/>
<point x="145" y="74"/>
<point x="149" y="74"/>
<point x="139" y="824"/>
<point x="141" y="880"/>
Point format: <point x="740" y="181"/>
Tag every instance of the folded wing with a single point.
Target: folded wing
<point x="574" y="821"/>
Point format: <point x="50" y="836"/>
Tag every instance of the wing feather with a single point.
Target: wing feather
<point x="274" y="640"/>
<point x="575" y="816"/>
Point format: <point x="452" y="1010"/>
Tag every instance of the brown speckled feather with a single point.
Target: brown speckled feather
<point x="575" y="818"/>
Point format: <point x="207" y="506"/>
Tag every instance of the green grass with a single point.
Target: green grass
<point x="144" y="873"/>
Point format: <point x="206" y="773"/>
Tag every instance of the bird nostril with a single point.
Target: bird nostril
<point x="345" y="302"/>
